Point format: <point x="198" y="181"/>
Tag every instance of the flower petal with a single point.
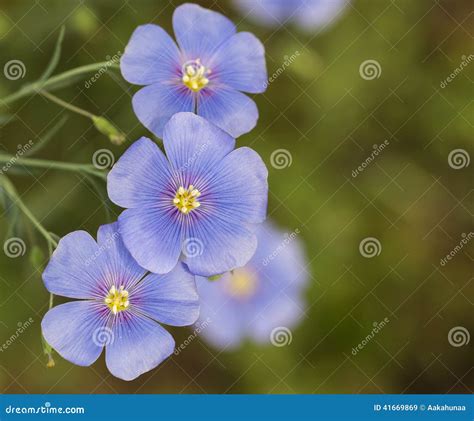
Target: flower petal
<point x="76" y="268"/>
<point x="151" y="56"/>
<point x="155" y="104"/>
<point x="140" y="176"/>
<point x="231" y="110"/>
<point x="239" y="191"/>
<point x="139" y="345"/>
<point x="153" y="237"/>
<point x="240" y="63"/>
<point x="121" y="268"/>
<point x="171" y="299"/>
<point x="194" y="146"/>
<point x="218" y="245"/>
<point x="200" y="31"/>
<point x="319" y="14"/>
<point x="74" y="330"/>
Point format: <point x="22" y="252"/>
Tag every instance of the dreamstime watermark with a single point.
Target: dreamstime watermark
<point x="103" y="159"/>
<point x="370" y="247"/>
<point x="281" y="158"/>
<point x="288" y="61"/>
<point x="47" y="408"/>
<point x="458" y="159"/>
<point x="464" y="240"/>
<point x="289" y="238"/>
<point x="110" y="62"/>
<point x="21" y="327"/>
<point x="192" y="159"/>
<point x="458" y="336"/>
<point x="106" y="245"/>
<point x="370" y="69"/>
<point x="21" y="150"/>
<point x="377" y="150"/>
<point x="192" y="247"/>
<point x="14" y="70"/>
<point x="377" y="327"/>
<point x="14" y="247"/>
<point x="200" y="326"/>
<point x="281" y="336"/>
<point x="103" y="336"/>
<point x="464" y="63"/>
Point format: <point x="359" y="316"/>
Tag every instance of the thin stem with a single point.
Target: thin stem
<point x="43" y="163"/>
<point x="10" y="191"/>
<point x="65" y="104"/>
<point x="34" y="87"/>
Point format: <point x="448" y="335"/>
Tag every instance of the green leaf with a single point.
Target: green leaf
<point x="215" y="277"/>
<point x="53" y="62"/>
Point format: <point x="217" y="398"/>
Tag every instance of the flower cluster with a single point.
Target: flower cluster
<point x="191" y="211"/>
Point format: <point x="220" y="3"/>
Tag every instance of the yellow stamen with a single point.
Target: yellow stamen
<point x="195" y="75"/>
<point x="242" y="283"/>
<point x="186" y="200"/>
<point x="117" y="299"/>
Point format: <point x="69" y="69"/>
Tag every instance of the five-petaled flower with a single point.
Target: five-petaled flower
<point x="308" y="14"/>
<point x="203" y="203"/>
<point x="120" y="305"/>
<point x="258" y="298"/>
<point x="206" y="74"/>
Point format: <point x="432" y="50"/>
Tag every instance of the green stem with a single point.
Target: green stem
<point x="10" y="190"/>
<point x="34" y="87"/>
<point x="43" y="163"/>
<point x="66" y="105"/>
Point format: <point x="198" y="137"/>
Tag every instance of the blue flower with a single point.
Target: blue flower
<point x="205" y="73"/>
<point x="204" y="200"/>
<point x="309" y="14"/>
<point x="259" y="299"/>
<point x="119" y="305"/>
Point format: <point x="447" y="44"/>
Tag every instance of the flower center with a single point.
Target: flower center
<point x="186" y="199"/>
<point x="117" y="299"/>
<point x="195" y="75"/>
<point x="243" y="283"/>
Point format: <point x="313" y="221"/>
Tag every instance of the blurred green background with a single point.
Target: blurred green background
<point x="328" y="118"/>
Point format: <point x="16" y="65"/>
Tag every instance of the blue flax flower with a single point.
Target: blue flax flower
<point x="119" y="308"/>
<point x="308" y="14"/>
<point x="203" y="201"/>
<point x="205" y="73"/>
<point x="259" y="300"/>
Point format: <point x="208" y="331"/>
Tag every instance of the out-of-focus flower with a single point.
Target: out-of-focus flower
<point x="309" y="14"/>
<point x="259" y="298"/>
<point x="206" y="72"/>
<point x="119" y="308"/>
<point x="204" y="200"/>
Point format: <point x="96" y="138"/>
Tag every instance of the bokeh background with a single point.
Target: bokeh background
<point x="328" y="118"/>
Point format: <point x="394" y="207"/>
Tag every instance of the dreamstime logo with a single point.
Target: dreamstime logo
<point x="103" y="159"/>
<point x="110" y="62"/>
<point x="377" y="327"/>
<point x="289" y="238"/>
<point x="465" y="61"/>
<point x="281" y="158"/>
<point x="192" y="247"/>
<point x="459" y="158"/>
<point x="14" y="247"/>
<point x="370" y="69"/>
<point x="103" y="336"/>
<point x="458" y="336"/>
<point x="281" y="336"/>
<point x="370" y="247"/>
<point x="14" y="70"/>
<point x="200" y="326"/>
<point x="377" y="150"/>
<point x="465" y="238"/>
<point x="288" y="61"/>
<point x="21" y="327"/>
<point x="21" y="150"/>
